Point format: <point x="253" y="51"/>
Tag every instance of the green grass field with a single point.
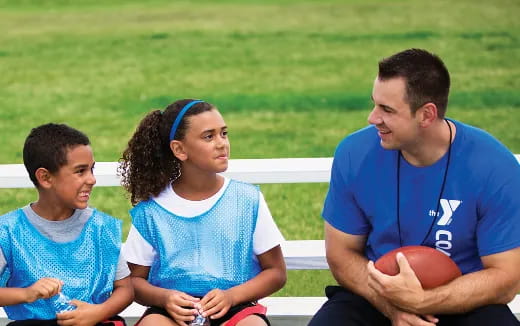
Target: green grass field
<point x="291" y="78"/>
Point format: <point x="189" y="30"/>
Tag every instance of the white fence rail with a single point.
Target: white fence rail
<point x="276" y="170"/>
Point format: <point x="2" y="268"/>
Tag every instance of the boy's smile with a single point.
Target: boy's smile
<point x="70" y="187"/>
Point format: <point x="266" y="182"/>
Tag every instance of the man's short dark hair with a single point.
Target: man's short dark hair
<point x="426" y="77"/>
<point x="46" y="147"/>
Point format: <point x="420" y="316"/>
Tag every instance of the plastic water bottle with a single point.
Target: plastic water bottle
<point x="200" y="321"/>
<point x="62" y="304"/>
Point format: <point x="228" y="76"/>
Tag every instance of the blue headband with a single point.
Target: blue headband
<point x="179" y="117"/>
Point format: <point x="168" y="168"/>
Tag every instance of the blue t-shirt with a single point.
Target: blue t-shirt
<point x="479" y="212"/>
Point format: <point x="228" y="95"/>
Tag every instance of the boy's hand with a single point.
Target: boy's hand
<point x="176" y="303"/>
<point x="216" y="303"/>
<point x="43" y="288"/>
<point x="85" y="314"/>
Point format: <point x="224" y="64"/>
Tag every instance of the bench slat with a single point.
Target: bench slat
<point x="305" y="254"/>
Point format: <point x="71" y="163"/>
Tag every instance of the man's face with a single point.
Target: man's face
<point x="392" y="116"/>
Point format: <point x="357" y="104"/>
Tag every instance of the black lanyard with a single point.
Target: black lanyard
<point x="440" y="193"/>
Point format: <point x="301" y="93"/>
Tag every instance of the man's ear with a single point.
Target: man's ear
<point x="178" y="151"/>
<point x="44" y="177"/>
<point x="428" y="114"/>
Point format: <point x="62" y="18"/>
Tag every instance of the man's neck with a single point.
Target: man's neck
<point x="432" y="145"/>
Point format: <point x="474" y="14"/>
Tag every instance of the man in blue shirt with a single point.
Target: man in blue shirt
<point x="416" y="178"/>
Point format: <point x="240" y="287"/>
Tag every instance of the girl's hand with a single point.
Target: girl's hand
<point x="44" y="288"/>
<point x="85" y="314"/>
<point x="181" y="306"/>
<point x="216" y="303"/>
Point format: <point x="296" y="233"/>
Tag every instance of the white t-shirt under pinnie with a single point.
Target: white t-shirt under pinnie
<point x="137" y="250"/>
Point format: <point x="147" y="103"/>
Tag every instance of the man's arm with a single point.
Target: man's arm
<point x="497" y="283"/>
<point x="348" y="264"/>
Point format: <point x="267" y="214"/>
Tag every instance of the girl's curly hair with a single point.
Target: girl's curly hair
<point x="148" y="164"/>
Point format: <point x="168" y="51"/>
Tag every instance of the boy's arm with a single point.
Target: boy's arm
<point x="269" y="280"/>
<point x="11" y="296"/>
<point x="90" y="314"/>
<point x="122" y="296"/>
<point x="42" y="289"/>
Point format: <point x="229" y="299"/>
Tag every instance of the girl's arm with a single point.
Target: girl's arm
<point x="41" y="289"/>
<point x="272" y="278"/>
<point x="171" y="300"/>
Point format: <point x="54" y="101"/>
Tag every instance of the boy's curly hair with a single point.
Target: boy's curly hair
<point x="148" y="164"/>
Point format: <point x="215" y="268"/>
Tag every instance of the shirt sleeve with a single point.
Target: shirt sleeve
<point x="340" y="208"/>
<point x="137" y="250"/>
<point x="499" y="210"/>
<point x="122" y="268"/>
<point x="3" y="262"/>
<point x="266" y="235"/>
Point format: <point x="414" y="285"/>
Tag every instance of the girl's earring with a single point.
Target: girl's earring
<point x="176" y="172"/>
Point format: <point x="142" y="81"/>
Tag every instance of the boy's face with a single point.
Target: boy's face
<point x="73" y="183"/>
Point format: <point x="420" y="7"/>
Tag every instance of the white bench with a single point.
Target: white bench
<point x="298" y="254"/>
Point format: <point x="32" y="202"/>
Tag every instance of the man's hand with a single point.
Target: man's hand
<point x="403" y="318"/>
<point x="399" y="317"/>
<point x="402" y="290"/>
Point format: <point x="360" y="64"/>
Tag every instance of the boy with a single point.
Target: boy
<point x="58" y="244"/>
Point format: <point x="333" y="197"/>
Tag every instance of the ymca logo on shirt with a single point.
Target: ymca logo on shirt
<point x="443" y="236"/>
<point x="448" y="208"/>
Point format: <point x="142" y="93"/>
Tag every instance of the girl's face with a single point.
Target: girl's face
<point x="206" y="145"/>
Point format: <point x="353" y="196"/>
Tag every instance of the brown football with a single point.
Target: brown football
<point x="432" y="267"/>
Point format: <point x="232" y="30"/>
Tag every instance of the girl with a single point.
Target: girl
<point x="200" y="243"/>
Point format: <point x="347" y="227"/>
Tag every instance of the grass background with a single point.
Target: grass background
<point x="291" y="78"/>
